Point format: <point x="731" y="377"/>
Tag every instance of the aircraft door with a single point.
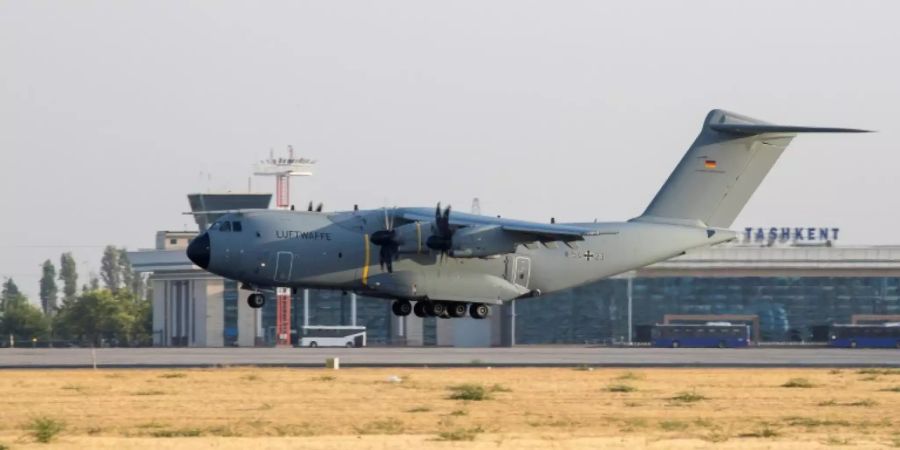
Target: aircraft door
<point x="284" y="263"/>
<point x="522" y="271"/>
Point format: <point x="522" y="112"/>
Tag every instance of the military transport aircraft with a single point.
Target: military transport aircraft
<point x="432" y="262"/>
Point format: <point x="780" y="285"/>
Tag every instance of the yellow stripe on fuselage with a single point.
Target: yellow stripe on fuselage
<point x="418" y="237"/>
<point x="365" y="269"/>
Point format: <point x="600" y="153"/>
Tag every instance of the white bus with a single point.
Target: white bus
<point x="333" y="336"/>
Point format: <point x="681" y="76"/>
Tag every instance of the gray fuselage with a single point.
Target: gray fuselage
<point x="333" y="251"/>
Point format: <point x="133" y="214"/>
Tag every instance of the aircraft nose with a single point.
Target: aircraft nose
<point x="198" y="250"/>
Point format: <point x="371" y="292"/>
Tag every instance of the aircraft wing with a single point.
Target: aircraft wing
<point x="536" y="230"/>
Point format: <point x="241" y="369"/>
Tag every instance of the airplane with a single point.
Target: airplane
<point x="447" y="264"/>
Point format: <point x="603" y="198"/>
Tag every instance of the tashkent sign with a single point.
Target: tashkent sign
<point x="791" y="234"/>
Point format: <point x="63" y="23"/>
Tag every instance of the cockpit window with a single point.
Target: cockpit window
<point x="225" y="226"/>
<point x="236" y="226"/>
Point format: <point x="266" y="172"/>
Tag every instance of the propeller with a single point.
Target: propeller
<point x="386" y="240"/>
<point x="442" y="235"/>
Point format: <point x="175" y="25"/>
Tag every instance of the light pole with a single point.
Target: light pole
<point x="630" y="284"/>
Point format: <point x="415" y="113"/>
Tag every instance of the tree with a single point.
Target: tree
<point x="100" y="316"/>
<point x="109" y="269"/>
<point x="134" y="281"/>
<point x="48" y="288"/>
<point x="20" y="318"/>
<point x="126" y="273"/>
<point x="68" y="273"/>
<point x="10" y="290"/>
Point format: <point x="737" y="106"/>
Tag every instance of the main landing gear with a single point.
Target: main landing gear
<point x="256" y="300"/>
<point x="441" y="309"/>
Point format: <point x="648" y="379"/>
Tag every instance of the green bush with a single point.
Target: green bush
<point x="44" y="429"/>
<point x="474" y="392"/>
<point x="459" y="434"/>
<point x="173" y="375"/>
<point x="673" y="425"/>
<point x="386" y="426"/>
<point x="184" y="432"/>
<point x="620" y="388"/>
<point x="798" y="383"/>
<point x="763" y="432"/>
<point x="687" y="397"/>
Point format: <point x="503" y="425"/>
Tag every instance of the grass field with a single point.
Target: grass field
<point x="451" y="408"/>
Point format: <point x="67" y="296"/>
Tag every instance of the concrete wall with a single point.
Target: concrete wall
<point x="188" y="307"/>
<point x="159" y="313"/>
<point x="247" y="320"/>
<point x="215" y="313"/>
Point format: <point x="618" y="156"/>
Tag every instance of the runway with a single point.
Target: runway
<point x="522" y="356"/>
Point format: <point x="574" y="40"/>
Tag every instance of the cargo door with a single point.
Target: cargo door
<point x="522" y="271"/>
<point x="284" y="263"/>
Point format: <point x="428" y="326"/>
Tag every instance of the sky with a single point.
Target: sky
<point x="111" y="112"/>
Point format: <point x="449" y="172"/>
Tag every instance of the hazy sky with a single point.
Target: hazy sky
<point x="110" y="112"/>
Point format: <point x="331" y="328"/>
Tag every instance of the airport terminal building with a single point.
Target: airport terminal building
<point x="792" y="279"/>
<point x="792" y="288"/>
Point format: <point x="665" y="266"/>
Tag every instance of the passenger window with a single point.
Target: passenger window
<point x="236" y="226"/>
<point x="226" y="226"/>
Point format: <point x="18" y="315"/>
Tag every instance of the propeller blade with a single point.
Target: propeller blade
<point x="386" y="256"/>
<point x="446" y="221"/>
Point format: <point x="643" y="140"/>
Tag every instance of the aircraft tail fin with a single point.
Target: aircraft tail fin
<point x="722" y="169"/>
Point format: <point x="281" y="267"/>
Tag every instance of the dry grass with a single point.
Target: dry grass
<point x="523" y="408"/>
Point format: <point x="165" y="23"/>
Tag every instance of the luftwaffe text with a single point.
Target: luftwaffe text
<point x="310" y="235"/>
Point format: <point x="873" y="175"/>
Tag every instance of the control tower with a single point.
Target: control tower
<point x="283" y="169"/>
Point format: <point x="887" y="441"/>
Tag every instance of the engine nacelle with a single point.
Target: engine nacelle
<point x="411" y="238"/>
<point x="479" y="242"/>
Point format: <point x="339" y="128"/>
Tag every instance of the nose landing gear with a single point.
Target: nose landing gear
<point x="256" y="300"/>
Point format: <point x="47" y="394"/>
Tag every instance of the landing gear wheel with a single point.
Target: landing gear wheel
<point x="256" y="300"/>
<point x="479" y="310"/>
<point x="419" y="309"/>
<point x="457" y="309"/>
<point x="401" y="307"/>
<point x="436" y="309"/>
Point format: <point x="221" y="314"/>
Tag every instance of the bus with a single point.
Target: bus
<point x="712" y="334"/>
<point x="866" y="336"/>
<point x="332" y="336"/>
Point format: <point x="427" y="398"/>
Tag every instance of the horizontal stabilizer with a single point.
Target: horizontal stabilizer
<point x="751" y="129"/>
